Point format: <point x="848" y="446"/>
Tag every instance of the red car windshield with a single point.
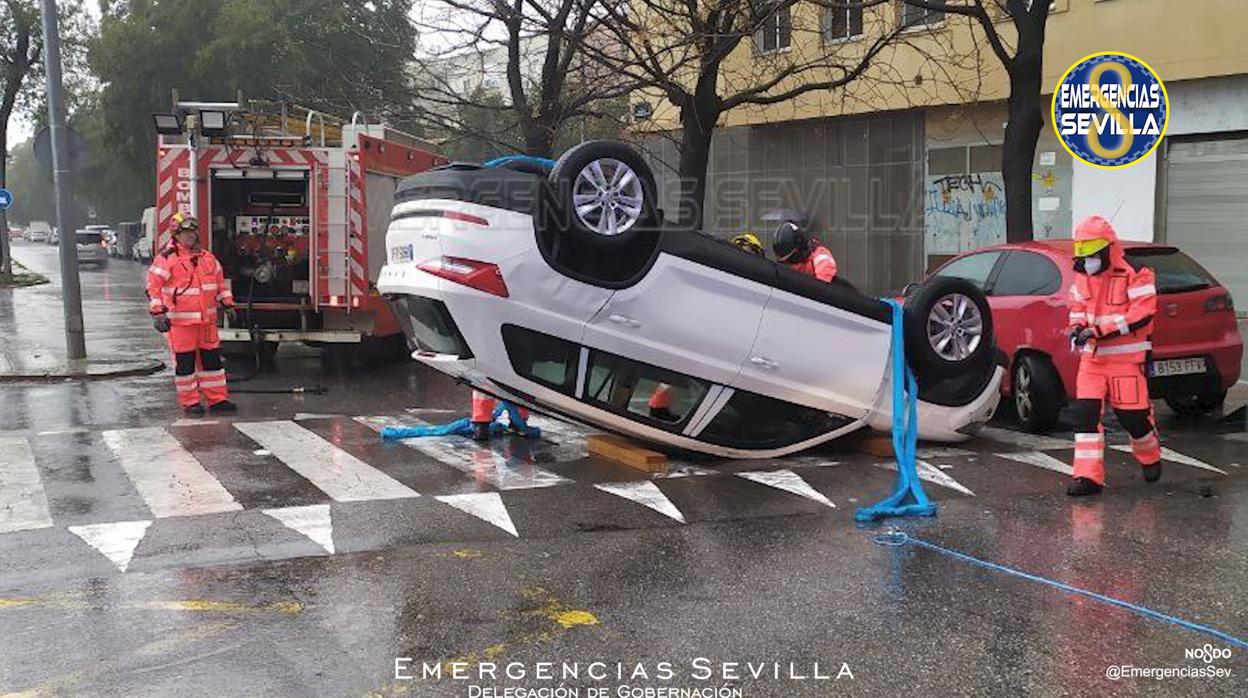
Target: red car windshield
<point x="1176" y="272"/>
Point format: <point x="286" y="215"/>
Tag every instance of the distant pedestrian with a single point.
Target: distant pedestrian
<point x="185" y="284"/>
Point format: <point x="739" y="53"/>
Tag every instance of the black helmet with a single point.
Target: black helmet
<point x="790" y="243"/>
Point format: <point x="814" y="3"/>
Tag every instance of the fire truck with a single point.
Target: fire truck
<point x="295" y="204"/>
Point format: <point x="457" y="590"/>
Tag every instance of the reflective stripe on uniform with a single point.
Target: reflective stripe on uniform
<point x="1074" y="293"/>
<point x="1089" y="438"/>
<point x="158" y="271"/>
<point x="225" y="295"/>
<point x="1088" y="453"/>
<point x="183" y="291"/>
<point x="174" y="315"/>
<point x="209" y="286"/>
<point x="1121" y="322"/>
<point x="1124" y="348"/>
<point x="1142" y="291"/>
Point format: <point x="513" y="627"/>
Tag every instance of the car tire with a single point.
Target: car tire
<point x="948" y="327"/>
<point x="616" y="191"/>
<point x="1038" y="394"/>
<point x="1197" y="405"/>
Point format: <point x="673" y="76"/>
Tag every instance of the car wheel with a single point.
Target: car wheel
<point x="948" y="327"/>
<point x="1037" y="394"/>
<point x="1197" y="405"/>
<point x="605" y="193"/>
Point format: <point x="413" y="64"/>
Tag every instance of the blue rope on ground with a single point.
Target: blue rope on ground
<point x="463" y="426"/>
<point x="496" y="162"/>
<point x="908" y="498"/>
<point x="899" y="538"/>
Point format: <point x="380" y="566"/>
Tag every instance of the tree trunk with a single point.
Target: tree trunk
<point x="698" y="116"/>
<point x="539" y="138"/>
<point x="1022" y="130"/>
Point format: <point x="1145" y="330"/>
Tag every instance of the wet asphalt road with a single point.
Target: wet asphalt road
<point x="288" y="551"/>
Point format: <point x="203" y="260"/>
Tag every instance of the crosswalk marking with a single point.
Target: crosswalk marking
<point x="115" y="541"/>
<point x="487" y="506"/>
<point x="1016" y="438"/>
<point x="1175" y="456"/>
<point x="170" y="480"/>
<point x="335" y="472"/>
<point x="932" y="474"/>
<point x="481" y="462"/>
<point x="1040" y="460"/>
<point x="313" y="521"/>
<point x="645" y="493"/>
<point x="23" y="502"/>
<point x="788" y="481"/>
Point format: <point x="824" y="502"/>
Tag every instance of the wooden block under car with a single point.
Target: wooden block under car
<point x="878" y="446"/>
<point x="621" y="450"/>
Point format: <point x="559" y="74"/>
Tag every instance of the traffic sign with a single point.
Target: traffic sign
<point x="6" y="199"/>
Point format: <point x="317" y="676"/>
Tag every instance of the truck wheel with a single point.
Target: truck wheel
<point x="605" y="193"/>
<point x="948" y="327"/>
<point x="1197" y="405"/>
<point x="1038" y="394"/>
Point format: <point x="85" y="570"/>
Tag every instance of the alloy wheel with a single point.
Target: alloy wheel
<point x="607" y="196"/>
<point x="955" y="327"/>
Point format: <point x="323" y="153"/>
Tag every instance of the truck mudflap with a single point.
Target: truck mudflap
<point x="238" y="334"/>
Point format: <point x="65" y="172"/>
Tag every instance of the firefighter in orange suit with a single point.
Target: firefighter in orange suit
<point x="1112" y="305"/>
<point x="185" y="284"/>
<point x="483" y="415"/>
<point x="801" y="253"/>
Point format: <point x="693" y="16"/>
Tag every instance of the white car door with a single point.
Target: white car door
<point x="816" y="354"/>
<point x="684" y="316"/>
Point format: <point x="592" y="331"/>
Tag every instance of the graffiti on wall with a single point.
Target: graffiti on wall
<point x="963" y="212"/>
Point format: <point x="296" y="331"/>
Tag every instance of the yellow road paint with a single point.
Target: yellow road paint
<point x="571" y="619"/>
<point x="468" y="553"/>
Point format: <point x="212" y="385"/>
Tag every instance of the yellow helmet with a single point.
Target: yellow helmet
<point x="748" y="242"/>
<point x="182" y="222"/>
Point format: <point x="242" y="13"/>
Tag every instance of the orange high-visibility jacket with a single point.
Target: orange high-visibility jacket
<point x="820" y="264"/>
<point x="187" y="285"/>
<point x="1119" y="303"/>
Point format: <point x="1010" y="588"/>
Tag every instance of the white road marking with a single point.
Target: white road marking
<point x="809" y="462"/>
<point x="466" y="456"/>
<point x="23" y="502"/>
<point x="1175" y="456"/>
<point x="930" y="473"/>
<point x="934" y="452"/>
<point x="788" y="481"/>
<point x="313" y="521"/>
<point x="645" y="493"/>
<point x="167" y="476"/>
<point x="314" y="415"/>
<point x="1040" y="460"/>
<point x="335" y="472"/>
<point x="1035" y="442"/>
<point x="487" y="506"/>
<point x="115" y="541"/>
<point x="195" y="422"/>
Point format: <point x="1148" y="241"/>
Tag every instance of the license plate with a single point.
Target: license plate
<point x="1177" y="367"/>
<point x="402" y="253"/>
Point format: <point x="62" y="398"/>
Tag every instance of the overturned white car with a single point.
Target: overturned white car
<point x="562" y="290"/>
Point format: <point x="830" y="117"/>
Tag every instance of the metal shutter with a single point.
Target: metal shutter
<point x="1207" y="207"/>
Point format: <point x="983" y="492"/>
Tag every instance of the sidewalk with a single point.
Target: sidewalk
<point x="18" y="367"/>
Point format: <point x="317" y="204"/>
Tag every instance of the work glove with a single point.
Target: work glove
<point x="1082" y="335"/>
<point x="230" y="314"/>
<point x="161" y="322"/>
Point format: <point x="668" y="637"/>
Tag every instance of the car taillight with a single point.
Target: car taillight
<point x="465" y="217"/>
<point x="482" y="276"/>
<point x="1219" y="304"/>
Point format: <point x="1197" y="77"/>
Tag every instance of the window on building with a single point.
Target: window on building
<point x="946" y="161"/>
<point x="1027" y="274"/>
<point x="758" y="422"/>
<point x="542" y="358"/>
<point x="975" y="268"/>
<point x="916" y="16"/>
<point x="842" y="23"/>
<point x="775" y="33"/>
<point x="639" y="391"/>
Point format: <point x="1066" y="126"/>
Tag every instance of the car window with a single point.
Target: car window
<point x="1175" y="271"/>
<point x="642" y="391"/>
<point x="755" y="421"/>
<point x="975" y="268"/>
<point x="88" y="238"/>
<point x="1027" y="274"/>
<point x="542" y="358"/>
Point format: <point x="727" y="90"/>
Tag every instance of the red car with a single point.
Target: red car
<point x="1196" y="344"/>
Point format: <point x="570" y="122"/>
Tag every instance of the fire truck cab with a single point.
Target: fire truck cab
<point x="295" y="204"/>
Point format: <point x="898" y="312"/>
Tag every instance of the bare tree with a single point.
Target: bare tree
<point x="1024" y="65"/>
<point x="692" y="55"/>
<point x="518" y="60"/>
<point x="20" y="53"/>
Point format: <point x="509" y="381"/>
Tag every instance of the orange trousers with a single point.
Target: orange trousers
<point x="197" y="369"/>
<point x="1125" y="387"/>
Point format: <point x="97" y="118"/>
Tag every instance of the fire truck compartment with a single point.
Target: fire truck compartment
<point x="261" y="232"/>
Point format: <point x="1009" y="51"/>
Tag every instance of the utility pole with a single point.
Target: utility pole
<point x="71" y="291"/>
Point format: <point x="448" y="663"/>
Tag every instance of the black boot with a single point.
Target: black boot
<point x="1152" y="473"/>
<point x="480" y="431"/>
<point x="223" y="406"/>
<point x="196" y="410"/>
<point x="1082" y="487"/>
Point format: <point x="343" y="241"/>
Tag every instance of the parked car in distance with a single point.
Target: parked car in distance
<point x="16" y="233"/>
<point x="142" y="249"/>
<point x="39" y="231"/>
<point x="1196" y="344"/>
<point x="92" y="249"/>
<point x="109" y="237"/>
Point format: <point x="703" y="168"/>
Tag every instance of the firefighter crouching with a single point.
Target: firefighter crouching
<point x="1112" y="305"/>
<point x="184" y="286"/>
<point x="799" y="252"/>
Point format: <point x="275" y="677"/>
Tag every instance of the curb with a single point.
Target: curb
<point x="127" y="369"/>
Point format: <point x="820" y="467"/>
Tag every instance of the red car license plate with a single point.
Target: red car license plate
<point x="1177" y="367"/>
